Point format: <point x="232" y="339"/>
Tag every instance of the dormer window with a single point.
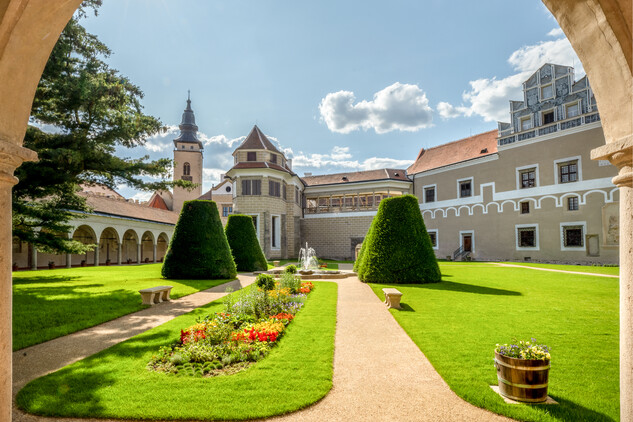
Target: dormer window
<point x="251" y="156"/>
<point x="548" y="117"/>
<point x="547" y="92"/>
<point x="273" y="158"/>
<point x="526" y="123"/>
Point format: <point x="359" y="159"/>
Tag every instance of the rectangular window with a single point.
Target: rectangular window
<point x="572" y="236"/>
<point x="547" y="92"/>
<point x="251" y="187"/>
<point x="273" y="188"/>
<point x="528" y="178"/>
<point x="274" y="238"/>
<point x="433" y="237"/>
<point x="527" y="237"/>
<point x="568" y="172"/>
<point x="251" y="156"/>
<point x="548" y="117"/>
<point x="526" y="123"/>
<point x="572" y="110"/>
<point x="226" y="210"/>
<point x="525" y="207"/>
<point x="429" y="194"/>
<point x="273" y="158"/>
<point x="284" y="191"/>
<point x="465" y="189"/>
<point x="572" y="203"/>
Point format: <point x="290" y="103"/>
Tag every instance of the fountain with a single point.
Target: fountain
<point x="308" y="260"/>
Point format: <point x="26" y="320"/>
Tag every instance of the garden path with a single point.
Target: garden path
<point x="556" y="271"/>
<point x="379" y="373"/>
<point x="41" y="359"/>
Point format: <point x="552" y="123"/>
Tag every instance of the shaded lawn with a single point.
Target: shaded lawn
<point x="458" y="322"/>
<point x="116" y="384"/>
<point x="53" y="303"/>
<point x="577" y="268"/>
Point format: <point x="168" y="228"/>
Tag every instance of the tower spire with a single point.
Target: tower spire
<point x="188" y="128"/>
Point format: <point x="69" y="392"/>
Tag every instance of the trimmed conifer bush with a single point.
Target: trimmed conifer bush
<point x="199" y="249"/>
<point x="397" y="248"/>
<point x="248" y="255"/>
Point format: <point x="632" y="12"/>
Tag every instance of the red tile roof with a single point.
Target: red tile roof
<point x="122" y="208"/>
<point x="455" y="152"/>
<point x="157" y="202"/>
<point x="356" y="176"/>
<point x="257" y="140"/>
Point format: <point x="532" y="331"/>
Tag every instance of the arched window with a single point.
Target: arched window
<point x="186" y="169"/>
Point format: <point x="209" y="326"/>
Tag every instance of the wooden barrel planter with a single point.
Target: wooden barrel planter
<point x="523" y="380"/>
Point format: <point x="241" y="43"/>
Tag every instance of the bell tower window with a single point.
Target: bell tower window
<point x="186" y="169"/>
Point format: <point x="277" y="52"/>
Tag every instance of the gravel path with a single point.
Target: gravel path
<point x="379" y="373"/>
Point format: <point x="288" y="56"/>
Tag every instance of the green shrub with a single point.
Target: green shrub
<point x="265" y="281"/>
<point x="248" y="255"/>
<point x="397" y="248"/>
<point x="291" y="269"/>
<point x="198" y="248"/>
<point x="290" y="281"/>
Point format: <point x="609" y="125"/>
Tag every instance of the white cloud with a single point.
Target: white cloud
<point x="401" y="107"/>
<point x="142" y="196"/>
<point x="340" y="158"/>
<point x="489" y="97"/>
<point x="211" y="176"/>
<point x="556" y="32"/>
<point x="162" y="141"/>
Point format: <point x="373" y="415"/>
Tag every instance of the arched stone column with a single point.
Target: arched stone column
<point x="600" y="33"/>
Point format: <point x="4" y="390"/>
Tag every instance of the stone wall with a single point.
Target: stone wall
<point x="336" y="235"/>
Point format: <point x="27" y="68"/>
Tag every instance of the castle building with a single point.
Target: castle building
<point x="515" y="193"/>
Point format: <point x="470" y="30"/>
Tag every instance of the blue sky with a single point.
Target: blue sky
<point x="340" y="85"/>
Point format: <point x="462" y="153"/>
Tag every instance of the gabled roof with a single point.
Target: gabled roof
<point x="455" y="152"/>
<point x="257" y="140"/>
<point x="356" y="176"/>
<point x="157" y="202"/>
<point x="260" y="165"/>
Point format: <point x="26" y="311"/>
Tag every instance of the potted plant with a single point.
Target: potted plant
<point x="129" y="260"/>
<point x="108" y="261"/>
<point x="523" y="370"/>
<point x="83" y="262"/>
<point x="15" y="266"/>
<point x="51" y="265"/>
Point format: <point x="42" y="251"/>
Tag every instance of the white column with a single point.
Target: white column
<point x="119" y="253"/>
<point x="154" y="245"/>
<point x="69" y="260"/>
<point x="139" y="250"/>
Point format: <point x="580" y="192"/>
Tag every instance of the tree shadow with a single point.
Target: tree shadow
<point x="39" y="279"/>
<point x="459" y="287"/>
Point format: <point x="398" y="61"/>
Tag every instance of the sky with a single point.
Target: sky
<point x="338" y="85"/>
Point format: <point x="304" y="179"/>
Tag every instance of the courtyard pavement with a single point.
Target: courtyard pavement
<point x="379" y="373"/>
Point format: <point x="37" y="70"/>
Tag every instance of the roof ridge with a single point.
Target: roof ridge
<point x="462" y="139"/>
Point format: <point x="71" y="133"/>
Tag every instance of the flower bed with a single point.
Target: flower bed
<point x="226" y="342"/>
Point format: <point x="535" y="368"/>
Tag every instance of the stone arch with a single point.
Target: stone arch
<point x="148" y="252"/>
<point x="109" y="247"/>
<point x="130" y="247"/>
<point x="86" y="235"/>
<point x="162" y="242"/>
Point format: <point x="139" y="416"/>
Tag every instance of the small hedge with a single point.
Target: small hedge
<point x="397" y="248"/>
<point x="199" y="249"/>
<point x="248" y="255"/>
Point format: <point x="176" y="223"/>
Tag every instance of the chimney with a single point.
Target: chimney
<point x="289" y="163"/>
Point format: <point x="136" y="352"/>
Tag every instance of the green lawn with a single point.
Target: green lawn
<point x="53" y="303"/>
<point x="457" y="322"/>
<point x="116" y="384"/>
<point x="577" y="268"/>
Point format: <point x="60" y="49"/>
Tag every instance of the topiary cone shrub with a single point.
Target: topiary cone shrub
<point x="198" y="248"/>
<point x="248" y="255"/>
<point x="397" y="248"/>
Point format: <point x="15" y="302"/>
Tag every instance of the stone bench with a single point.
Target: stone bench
<point x="156" y="294"/>
<point x="392" y="298"/>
